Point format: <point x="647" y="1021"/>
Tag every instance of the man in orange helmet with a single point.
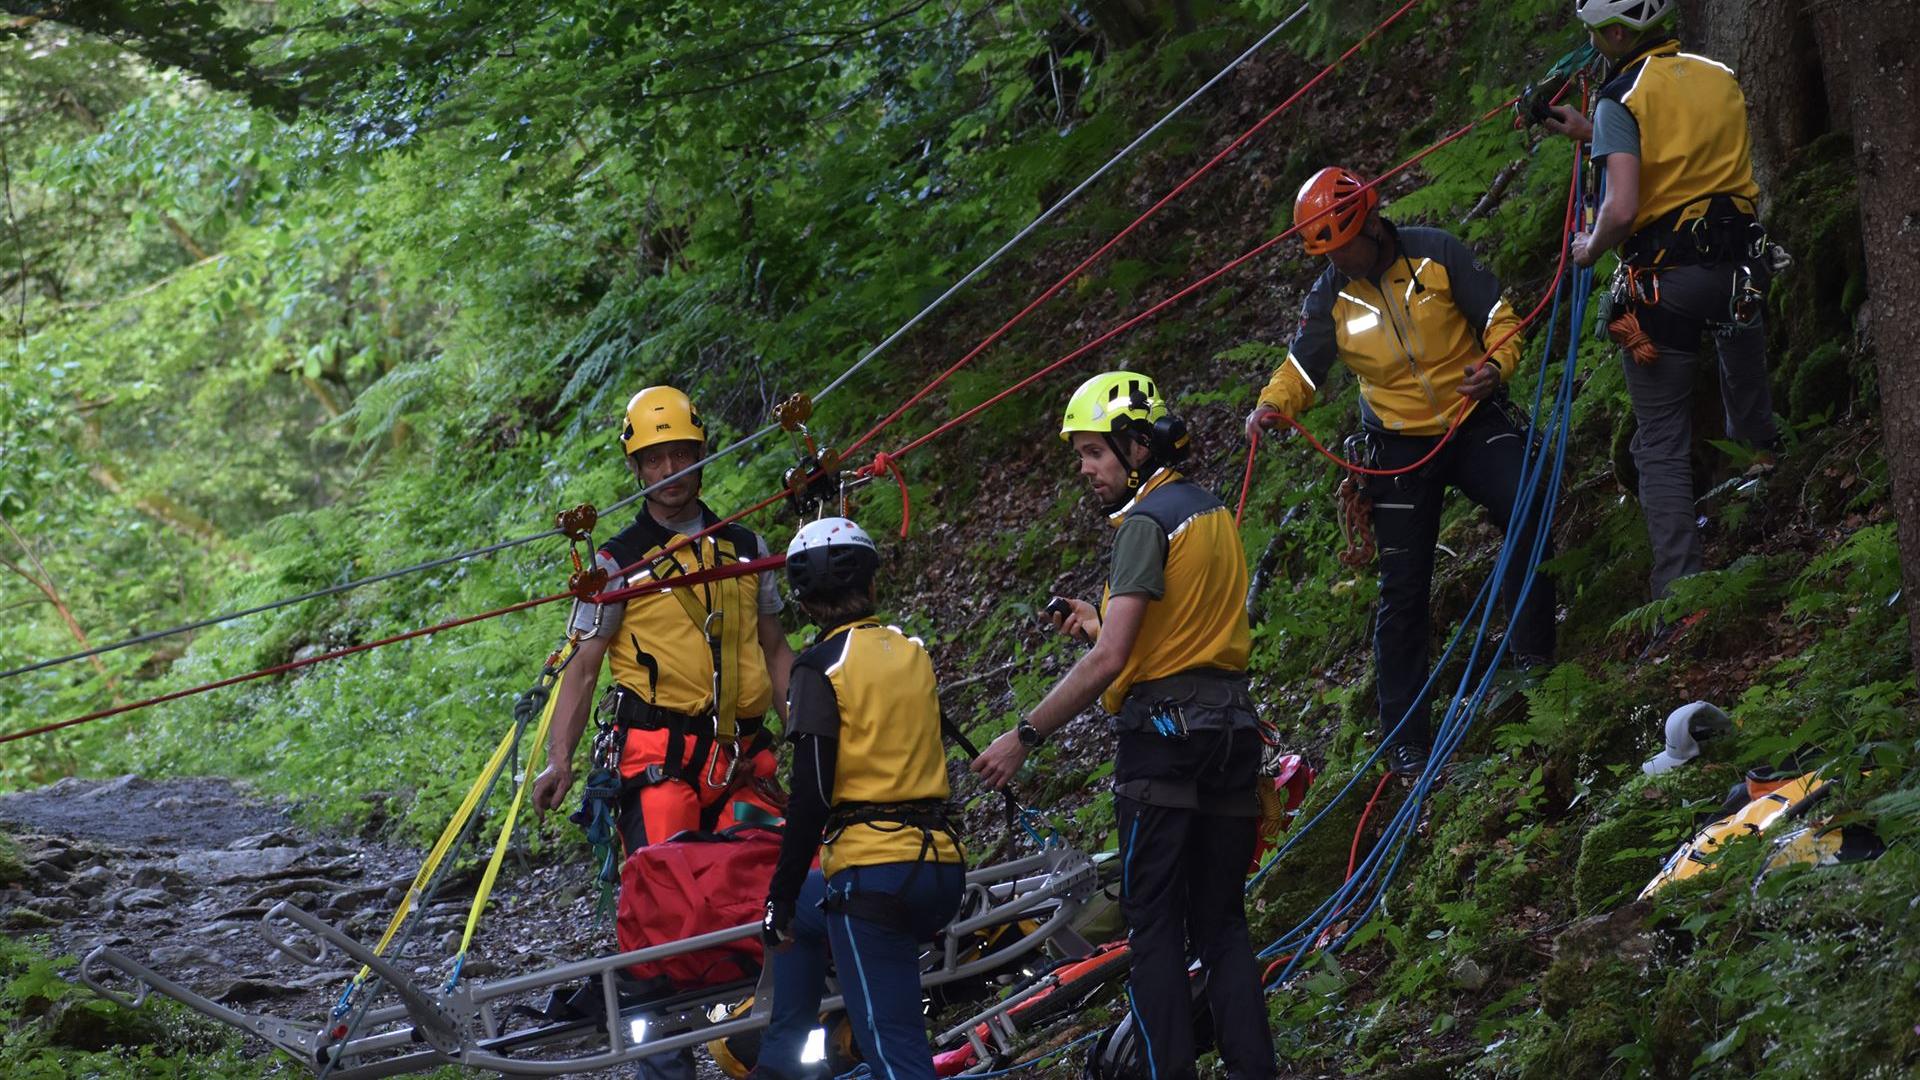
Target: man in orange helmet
<point x="1413" y="315"/>
<point x="694" y="668"/>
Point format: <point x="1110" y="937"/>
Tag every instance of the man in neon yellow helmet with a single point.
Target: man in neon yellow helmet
<point x="1169" y="657"/>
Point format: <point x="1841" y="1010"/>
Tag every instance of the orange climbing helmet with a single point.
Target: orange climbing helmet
<point x="1327" y="210"/>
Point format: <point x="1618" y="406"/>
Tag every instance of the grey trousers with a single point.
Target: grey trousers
<point x="1662" y="395"/>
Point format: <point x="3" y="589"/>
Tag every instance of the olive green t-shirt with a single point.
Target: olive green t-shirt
<point x="1139" y="565"/>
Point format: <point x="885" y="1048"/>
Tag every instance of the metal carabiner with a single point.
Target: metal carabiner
<point x="1747" y="302"/>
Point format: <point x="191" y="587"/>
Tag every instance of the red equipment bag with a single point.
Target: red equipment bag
<point x="693" y="884"/>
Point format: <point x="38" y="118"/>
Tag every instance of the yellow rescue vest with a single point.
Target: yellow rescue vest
<point x="890" y="748"/>
<point x="663" y="651"/>
<point x="1693" y="133"/>
<point x="1201" y="620"/>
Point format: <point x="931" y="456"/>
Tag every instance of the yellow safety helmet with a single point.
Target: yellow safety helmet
<point x="660" y="414"/>
<point x="1112" y="402"/>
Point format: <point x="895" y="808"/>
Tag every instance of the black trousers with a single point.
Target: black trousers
<point x="1182" y="876"/>
<point x="1484" y="461"/>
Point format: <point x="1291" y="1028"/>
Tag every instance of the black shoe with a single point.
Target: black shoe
<point x="1405" y="759"/>
<point x="1667" y="633"/>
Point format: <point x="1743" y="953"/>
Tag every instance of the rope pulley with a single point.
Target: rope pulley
<point x="814" y="481"/>
<point x="577" y="526"/>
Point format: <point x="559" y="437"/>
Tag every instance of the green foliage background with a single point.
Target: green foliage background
<point x="296" y="293"/>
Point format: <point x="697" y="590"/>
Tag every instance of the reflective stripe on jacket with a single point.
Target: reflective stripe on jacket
<point x="1693" y="132"/>
<point x="1408" y="337"/>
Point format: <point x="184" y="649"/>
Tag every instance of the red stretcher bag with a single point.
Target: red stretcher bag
<point x="693" y="884"/>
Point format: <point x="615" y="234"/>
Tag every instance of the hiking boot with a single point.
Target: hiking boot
<point x="1405" y="759"/>
<point x="1667" y="633"/>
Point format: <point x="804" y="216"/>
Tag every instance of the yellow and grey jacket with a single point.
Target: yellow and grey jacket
<point x="1693" y="133"/>
<point x="1200" y="619"/>
<point x="658" y="646"/>
<point x="880" y="708"/>
<point x="1407" y="337"/>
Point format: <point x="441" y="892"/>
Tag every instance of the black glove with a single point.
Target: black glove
<point x="776" y="926"/>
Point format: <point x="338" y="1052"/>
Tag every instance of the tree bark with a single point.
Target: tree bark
<point x="1876" y="45"/>
<point x="1771" y="46"/>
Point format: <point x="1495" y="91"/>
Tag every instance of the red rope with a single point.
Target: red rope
<point x="1353" y="858"/>
<point x="1353" y="852"/>
<point x="1169" y="197"/>
<point x="698" y="577"/>
<point x="890" y="460"/>
<point x="1246" y="480"/>
<point x="1188" y="290"/>
<point x="884" y="462"/>
<point x="1054" y="289"/>
<point x="734" y="570"/>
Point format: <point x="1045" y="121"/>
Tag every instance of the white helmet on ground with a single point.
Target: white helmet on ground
<point x="830" y="555"/>
<point x="1633" y="14"/>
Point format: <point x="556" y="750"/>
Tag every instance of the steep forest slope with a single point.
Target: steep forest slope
<point x="305" y="292"/>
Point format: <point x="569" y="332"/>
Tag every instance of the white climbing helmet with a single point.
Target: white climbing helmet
<point x="1633" y="14"/>
<point x="830" y="555"/>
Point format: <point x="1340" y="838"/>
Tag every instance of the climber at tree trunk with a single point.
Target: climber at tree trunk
<point x="1670" y="130"/>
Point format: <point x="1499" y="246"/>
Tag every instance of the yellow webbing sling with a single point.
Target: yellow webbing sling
<point x="710" y="614"/>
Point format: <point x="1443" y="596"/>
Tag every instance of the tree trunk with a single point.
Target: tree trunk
<point x="1124" y="23"/>
<point x="1876" y="44"/>
<point x="1770" y="45"/>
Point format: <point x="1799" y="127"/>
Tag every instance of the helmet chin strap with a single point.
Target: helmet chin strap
<point x="1136" y="474"/>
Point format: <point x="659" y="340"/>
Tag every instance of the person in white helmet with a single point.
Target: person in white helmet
<point x="1681" y="207"/>
<point x="869" y="777"/>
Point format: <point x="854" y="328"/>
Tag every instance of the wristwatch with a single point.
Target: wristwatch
<point x="1029" y="735"/>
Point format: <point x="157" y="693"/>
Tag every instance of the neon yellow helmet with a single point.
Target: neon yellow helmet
<point x="660" y="414"/>
<point x="1111" y="402"/>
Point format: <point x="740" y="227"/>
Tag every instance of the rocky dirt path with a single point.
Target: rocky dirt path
<point x="176" y="873"/>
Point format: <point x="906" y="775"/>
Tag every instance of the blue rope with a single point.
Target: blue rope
<point x="1376" y="872"/>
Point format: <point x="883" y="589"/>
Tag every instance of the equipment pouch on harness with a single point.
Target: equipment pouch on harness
<point x="1725" y="232"/>
<point x="1198" y="700"/>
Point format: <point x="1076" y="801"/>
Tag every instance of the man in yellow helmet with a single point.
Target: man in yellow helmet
<point x="694" y="668"/>
<point x="1680" y="205"/>
<point x="1413" y="315"/>
<point x="1169" y="657"/>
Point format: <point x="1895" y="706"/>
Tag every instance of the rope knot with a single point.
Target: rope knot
<point x="882" y="464"/>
